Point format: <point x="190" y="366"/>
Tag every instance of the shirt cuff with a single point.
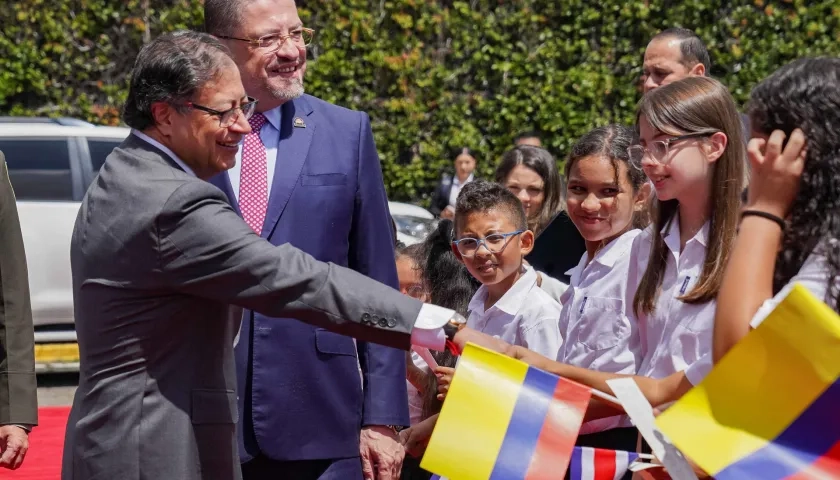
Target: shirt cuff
<point x="697" y="371"/>
<point x="428" y="328"/>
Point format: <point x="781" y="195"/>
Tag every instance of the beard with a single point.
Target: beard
<point x="289" y="90"/>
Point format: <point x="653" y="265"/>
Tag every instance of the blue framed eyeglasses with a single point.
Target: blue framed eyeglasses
<point x="494" y="243"/>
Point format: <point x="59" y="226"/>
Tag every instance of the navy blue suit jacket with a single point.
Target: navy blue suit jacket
<point x="300" y="395"/>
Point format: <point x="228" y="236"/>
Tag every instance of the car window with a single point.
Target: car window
<point x="99" y="149"/>
<point x="39" y="168"/>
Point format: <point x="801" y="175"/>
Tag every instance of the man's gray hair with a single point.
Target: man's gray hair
<point x="171" y="68"/>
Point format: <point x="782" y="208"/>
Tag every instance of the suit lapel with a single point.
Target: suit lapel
<point x="222" y="181"/>
<point x="291" y="155"/>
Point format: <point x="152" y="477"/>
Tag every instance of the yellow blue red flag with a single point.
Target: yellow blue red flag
<point x="504" y="420"/>
<point x="771" y="408"/>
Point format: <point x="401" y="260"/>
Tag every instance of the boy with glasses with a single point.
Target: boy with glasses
<point x="492" y="239"/>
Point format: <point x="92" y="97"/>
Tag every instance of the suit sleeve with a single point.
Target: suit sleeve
<point x="207" y="250"/>
<point x="372" y="253"/>
<point x="18" y="389"/>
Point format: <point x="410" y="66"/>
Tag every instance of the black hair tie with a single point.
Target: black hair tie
<point x="769" y="216"/>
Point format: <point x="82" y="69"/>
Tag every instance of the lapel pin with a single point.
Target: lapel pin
<point x="299" y="123"/>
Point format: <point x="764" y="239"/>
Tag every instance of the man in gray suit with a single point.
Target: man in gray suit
<point x="18" y="393"/>
<point x="158" y="258"/>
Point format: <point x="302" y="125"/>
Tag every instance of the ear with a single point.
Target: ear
<point x="716" y="146"/>
<point x="163" y="114"/>
<point x="698" y="70"/>
<point x="640" y="203"/>
<point x="526" y="242"/>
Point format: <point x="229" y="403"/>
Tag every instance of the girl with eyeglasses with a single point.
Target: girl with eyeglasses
<point x="691" y="151"/>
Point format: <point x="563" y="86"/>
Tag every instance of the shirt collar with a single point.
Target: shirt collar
<point x="151" y="141"/>
<point x="455" y="180"/>
<point x="511" y="302"/>
<point x="671" y="233"/>
<point x="273" y="116"/>
<point x="606" y="256"/>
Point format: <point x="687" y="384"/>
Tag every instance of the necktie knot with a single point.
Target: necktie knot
<point x="256" y="121"/>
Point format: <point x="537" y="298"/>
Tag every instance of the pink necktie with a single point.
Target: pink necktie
<point x="253" y="185"/>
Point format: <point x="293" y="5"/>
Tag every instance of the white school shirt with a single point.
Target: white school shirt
<point x="813" y="275"/>
<point x="676" y="336"/>
<point x="553" y="287"/>
<point x="525" y="315"/>
<point x="596" y="333"/>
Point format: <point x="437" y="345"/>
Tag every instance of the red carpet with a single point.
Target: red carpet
<point x="43" y="462"/>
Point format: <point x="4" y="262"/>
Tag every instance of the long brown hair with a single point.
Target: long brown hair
<point x="696" y="105"/>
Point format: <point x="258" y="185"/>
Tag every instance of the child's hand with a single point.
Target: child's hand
<point x="444" y="379"/>
<point x="774" y="182"/>
<point x="416" y="438"/>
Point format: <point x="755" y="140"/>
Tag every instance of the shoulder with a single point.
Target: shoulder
<point x="326" y="108"/>
<point x="539" y="306"/>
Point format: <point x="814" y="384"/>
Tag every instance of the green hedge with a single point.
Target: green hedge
<point x="433" y="75"/>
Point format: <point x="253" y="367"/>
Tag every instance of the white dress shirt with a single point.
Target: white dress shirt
<point x="676" y="336"/>
<point x="428" y="327"/>
<point x="456" y="188"/>
<point x="813" y="275"/>
<point x="597" y="334"/>
<point x="525" y="315"/>
<point x="553" y="287"/>
<point x="270" y="136"/>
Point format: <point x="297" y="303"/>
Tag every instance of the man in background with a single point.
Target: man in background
<point x="308" y="175"/>
<point x="528" y="138"/>
<point x="18" y="388"/>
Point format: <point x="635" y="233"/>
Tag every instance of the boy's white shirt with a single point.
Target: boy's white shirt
<point x="525" y="315"/>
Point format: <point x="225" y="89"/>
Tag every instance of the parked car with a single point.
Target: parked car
<point x="413" y="223"/>
<point x="51" y="164"/>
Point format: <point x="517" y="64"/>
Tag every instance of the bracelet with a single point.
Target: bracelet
<point x="769" y="216"/>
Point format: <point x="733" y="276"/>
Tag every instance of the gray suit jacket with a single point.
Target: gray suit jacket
<point x="158" y="258"/>
<point x="18" y="399"/>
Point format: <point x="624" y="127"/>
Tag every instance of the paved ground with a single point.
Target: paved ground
<point x="55" y="389"/>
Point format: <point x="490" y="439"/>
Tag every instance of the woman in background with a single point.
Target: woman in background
<point x="443" y="199"/>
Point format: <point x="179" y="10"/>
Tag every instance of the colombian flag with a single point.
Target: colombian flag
<point x="771" y="408"/>
<point x="504" y="420"/>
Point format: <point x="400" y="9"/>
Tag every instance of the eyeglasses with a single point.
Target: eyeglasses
<point x="229" y="117"/>
<point x="658" y="150"/>
<point x="494" y="243"/>
<point x="416" y="291"/>
<point x="272" y="42"/>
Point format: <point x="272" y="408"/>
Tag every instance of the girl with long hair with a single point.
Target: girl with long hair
<point x="790" y="226"/>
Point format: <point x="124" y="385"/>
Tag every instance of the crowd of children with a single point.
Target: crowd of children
<point x="678" y="266"/>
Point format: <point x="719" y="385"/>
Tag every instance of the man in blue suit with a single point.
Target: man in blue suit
<point x="308" y="175"/>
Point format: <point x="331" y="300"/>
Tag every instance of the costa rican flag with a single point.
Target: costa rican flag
<point x="599" y="464"/>
<point x="594" y="464"/>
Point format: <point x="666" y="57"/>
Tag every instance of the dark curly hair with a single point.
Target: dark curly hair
<point x="483" y="196"/>
<point x="805" y="94"/>
<point x="449" y="285"/>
